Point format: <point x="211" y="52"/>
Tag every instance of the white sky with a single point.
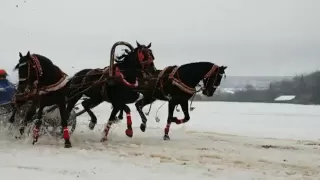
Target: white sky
<point x="252" y="37"/>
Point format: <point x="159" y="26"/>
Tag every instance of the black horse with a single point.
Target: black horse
<point x="177" y="85"/>
<point x="148" y="70"/>
<point x="98" y="87"/>
<point x="43" y="83"/>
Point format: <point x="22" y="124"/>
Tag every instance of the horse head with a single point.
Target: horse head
<point x="137" y="59"/>
<point x="145" y="55"/>
<point x="36" y="72"/>
<point x="29" y="71"/>
<point x="212" y="80"/>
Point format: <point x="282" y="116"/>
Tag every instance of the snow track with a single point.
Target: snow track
<point x="189" y="154"/>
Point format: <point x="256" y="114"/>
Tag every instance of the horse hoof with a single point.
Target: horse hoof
<point x="103" y="139"/>
<point x="129" y="132"/>
<point x="166" y="137"/>
<point x="67" y="144"/>
<point x="21" y="131"/>
<point x="143" y="127"/>
<point x="92" y="125"/>
<point x="11" y="120"/>
<point x="120" y="117"/>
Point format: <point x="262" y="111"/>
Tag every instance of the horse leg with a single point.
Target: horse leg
<point x="87" y="105"/>
<point x="171" y="105"/>
<point x="109" y="123"/>
<point x="120" y="116"/>
<point x="139" y="105"/>
<point x="71" y="104"/>
<point x="129" y="131"/>
<point x="14" y="112"/>
<point x="184" y="106"/>
<point x="38" y="124"/>
<point x="64" y="125"/>
<point x="12" y="117"/>
<point x="31" y="112"/>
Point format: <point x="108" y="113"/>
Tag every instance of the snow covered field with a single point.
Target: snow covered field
<point x="222" y="141"/>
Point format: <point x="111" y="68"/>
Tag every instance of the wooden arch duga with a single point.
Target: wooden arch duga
<point x="112" y="54"/>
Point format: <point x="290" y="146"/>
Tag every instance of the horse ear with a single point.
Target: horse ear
<point x="16" y="67"/>
<point x="28" y="54"/>
<point x="224" y="67"/>
<point x="149" y="45"/>
<point x="138" y="44"/>
<point x="20" y="55"/>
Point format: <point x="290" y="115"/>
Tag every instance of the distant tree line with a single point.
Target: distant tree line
<point x="305" y="88"/>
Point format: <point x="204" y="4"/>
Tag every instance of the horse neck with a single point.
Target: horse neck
<point x="148" y="71"/>
<point x="51" y="73"/>
<point x="191" y="74"/>
<point x="130" y="73"/>
<point x="151" y="69"/>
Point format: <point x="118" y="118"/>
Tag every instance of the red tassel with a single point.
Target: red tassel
<point x="179" y="121"/>
<point x="166" y="130"/>
<point x="129" y="121"/>
<point x="35" y="133"/>
<point x="66" y="133"/>
<point x="140" y="56"/>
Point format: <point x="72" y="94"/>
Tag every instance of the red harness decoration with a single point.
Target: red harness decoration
<point x="141" y="57"/>
<point x="35" y="64"/>
<point x="177" y="82"/>
<point x="119" y="74"/>
<point x="208" y="75"/>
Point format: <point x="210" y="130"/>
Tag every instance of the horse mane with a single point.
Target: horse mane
<point x="124" y="56"/>
<point x="42" y="58"/>
<point x="200" y="62"/>
<point x="186" y="68"/>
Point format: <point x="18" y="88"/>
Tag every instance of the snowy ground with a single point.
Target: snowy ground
<point x="222" y="141"/>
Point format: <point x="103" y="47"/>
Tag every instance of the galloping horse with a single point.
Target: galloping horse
<point x="118" y="92"/>
<point x="177" y="85"/>
<point x="44" y="84"/>
<point x="149" y="70"/>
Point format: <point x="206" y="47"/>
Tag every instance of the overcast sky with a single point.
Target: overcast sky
<point x="251" y="37"/>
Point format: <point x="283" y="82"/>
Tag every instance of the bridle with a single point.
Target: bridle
<point x="141" y="57"/>
<point x="33" y="64"/>
<point x="209" y="75"/>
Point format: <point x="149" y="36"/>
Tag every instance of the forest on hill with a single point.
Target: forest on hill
<point x="305" y="88"/>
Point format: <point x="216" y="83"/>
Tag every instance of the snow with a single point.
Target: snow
<point x="228" y="90"/>
<point x="221" y="141"/>
<point x="285" y="98"/>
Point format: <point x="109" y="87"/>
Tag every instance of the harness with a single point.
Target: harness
<point x="35" y="64"/>
<point x="176" y="81"/>
<point x="104" y="77"/>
